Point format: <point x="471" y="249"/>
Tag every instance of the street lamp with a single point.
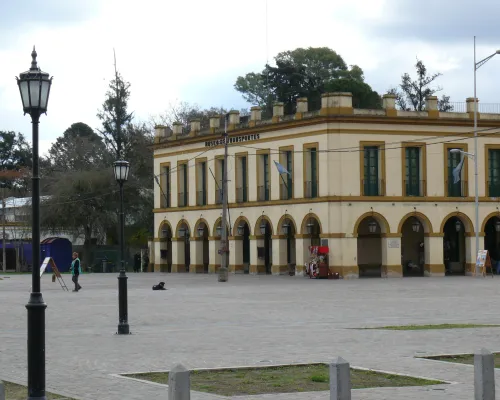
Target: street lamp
<point x="416" y="226"/>
<point x="497" y="226"/>
<point x="286" y="227"/>
<point x="263" y="226"/>
<point x="219" y="230"/>
<point x="241" y="229"/>
<point x="477" y="65"/>
<point x="121" y="169"/>
<point x="201" y="230"/>
<point x="372" y="226"/>
<point x="34" y="86"/>
<point x="458" y="226"/>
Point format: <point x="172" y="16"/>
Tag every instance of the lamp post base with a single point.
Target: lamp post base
<point x="123" y="329"/>
<point x="223" y="272"/>
<point x="36" y="347"/>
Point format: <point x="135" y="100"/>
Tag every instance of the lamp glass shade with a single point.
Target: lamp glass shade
<point x="372" y="226"/>
<point x="263" y="228"/>
<point x="121" y="169"/>
<point x="219" y="230"/>
<point x="286" y="228"/>
<point x="416" y="226"/>
<point x="310" y="227"/>
<point x="497" y="226"/>
<point x="241" y="230"/>
<point x="458" y="226"/>
<point x="201" y="229"/>
<point x="25" y="95"/>
<point x="182" y="232"/>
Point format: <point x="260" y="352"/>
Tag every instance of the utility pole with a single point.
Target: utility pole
<point x="4" y="252"/>
<point x="224" y="248"/>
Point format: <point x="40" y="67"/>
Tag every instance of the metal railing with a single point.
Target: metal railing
<point x="459" y="189"/>
<point x="415" y="187"/>
<point x="218" y="196"/>
<point x="311" y="189"/>
<point x="263" y="193"/>
<point x="373" y="187"/>
<point x="241" y="194"/>
<point x="201" y="198"/>
<point x="494" y="188"/>
<point x="286" y="191"/>
<point x="484" y="108"/>
<point x="183" y="199"/>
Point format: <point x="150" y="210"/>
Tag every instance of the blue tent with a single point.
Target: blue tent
<point x="60" y="250"/>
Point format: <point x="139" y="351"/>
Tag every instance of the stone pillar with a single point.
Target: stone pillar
<point x="302" y="107"/>
<point x="389" y="104"/>
<point x="257" y="265"/>
<point x="278" y="111"/>
<point x="234" y="120"/>
<point x="178" y="258"/>
<point x="484" y="375"/>
<point x="470" y="107"/>
<point x="431" y="105"/>
<point x="177" y="130"/>
<point x="213" y="246"/>
<point x="214" y="123"/>
<point x="196" y="250"/>
<point x="301" y="254"/>
<point x="340" y="380"/>
<point x="336" y="103"/>
<point x="344" y="261"/>
<point x="434" y="256"/>
<point x="280" y="264"/>
<point x="195" y="127"/>
<point x="236" y="254"/>
<point x="470" y="250"/>
<point x="179" y="383"/>
<point x="391" y="255"/>
<point x="255" y="115"/>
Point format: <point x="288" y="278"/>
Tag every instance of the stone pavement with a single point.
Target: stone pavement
<point x="250" y="320"/>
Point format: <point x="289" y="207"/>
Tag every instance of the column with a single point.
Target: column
<point x="178" y="258"/>
<point x="434" y="254"/>
<point x="252" y="176"/>
<point x="470" y="252"/>
<point x="343" y="257"/>
<point x="256" y="264"/>
<point x="196" y="250"/>
<point x="158" y="261"/>
<point x="391" y="255"/>
<point x="213" y="246"/>
<point x="301" y="256"/>
<point x="280" y="264"/>
<point x="236" y="254"/>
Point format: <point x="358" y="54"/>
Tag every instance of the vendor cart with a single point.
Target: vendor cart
<point x="317" y="267"/>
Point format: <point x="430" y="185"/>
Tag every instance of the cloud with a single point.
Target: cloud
<point x="441" y="21"/>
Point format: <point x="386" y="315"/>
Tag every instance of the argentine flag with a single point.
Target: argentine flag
<point x="457" y="171"/>
<point x="281" y="168"/>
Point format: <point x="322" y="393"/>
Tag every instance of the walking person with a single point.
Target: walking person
<point x="76" y="270"/>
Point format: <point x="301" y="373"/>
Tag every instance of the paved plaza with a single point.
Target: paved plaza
<point x="250" y="320"/>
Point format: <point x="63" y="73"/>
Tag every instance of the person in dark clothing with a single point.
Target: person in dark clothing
<point x="76" y="271"/>
<point x="137" y="262"/>
<point x="145" y="263"/>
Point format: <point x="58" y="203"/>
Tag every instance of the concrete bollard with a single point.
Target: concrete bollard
<point x="179" y="384"/>
<point x="340" y="380"/>
<point x="484" y="375"/>
<point x="2" y="391"/>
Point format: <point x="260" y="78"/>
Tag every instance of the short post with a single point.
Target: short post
<point x="2" y="391"/>
<point x="179" y="384"/>
<point x="340" y="380"/>
<point x="484" y="375"/>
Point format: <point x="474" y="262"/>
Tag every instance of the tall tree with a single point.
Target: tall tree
<point x="305" y="73"/>
<point x="15" y="154"/>
<point x="115" y="117"/>
<point x="184" y="113"/>
<point x="411" y="94"/>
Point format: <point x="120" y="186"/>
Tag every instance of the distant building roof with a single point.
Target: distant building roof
<point x="16" y="202"/>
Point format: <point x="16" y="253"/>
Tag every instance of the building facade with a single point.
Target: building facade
<point x="375" y="186"/>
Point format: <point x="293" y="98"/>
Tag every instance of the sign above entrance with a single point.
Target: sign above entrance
<point x="235" y="139"/>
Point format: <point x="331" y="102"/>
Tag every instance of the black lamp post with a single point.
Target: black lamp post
<point x="121" y="169"/>
<point x="34" y="86"/>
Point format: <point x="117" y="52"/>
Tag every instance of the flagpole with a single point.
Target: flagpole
<point x="475" y="161"/>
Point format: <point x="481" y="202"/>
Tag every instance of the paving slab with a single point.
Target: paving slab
<point x="248" y="321"/>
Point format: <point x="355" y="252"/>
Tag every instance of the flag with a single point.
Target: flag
<point x="457" y="171"/>
<point x="281" y="168"/>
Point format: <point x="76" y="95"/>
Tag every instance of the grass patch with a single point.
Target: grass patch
<point x="463" y="359"/>
<point x="14" y="391"/>
<point x="430" y="327"/>
<point x="286" y="379"/>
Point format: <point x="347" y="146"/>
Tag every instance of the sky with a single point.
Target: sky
<point x="193" y="50"/>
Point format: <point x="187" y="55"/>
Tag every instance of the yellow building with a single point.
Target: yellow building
<point x="376" y="186"/>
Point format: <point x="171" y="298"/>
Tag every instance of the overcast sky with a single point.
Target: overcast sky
<point x="193" y="50"/>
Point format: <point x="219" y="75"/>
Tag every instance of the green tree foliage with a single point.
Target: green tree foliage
<point x="184" y="113"/>
<point x="15" y="155"/>
<point x="306" y="73"/>
<point x="411" y="94"/>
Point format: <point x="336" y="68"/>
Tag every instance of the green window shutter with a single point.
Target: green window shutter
<point x="371" y="174"/>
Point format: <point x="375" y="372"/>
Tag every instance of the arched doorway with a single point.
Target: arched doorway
<point x="166" y="248"/>
<point x="312" y="229"/>
<point x="492" y="239"/>
<point x="203" y="247"/>
<point x="413" y="228"/>
<point x="243" y="229"/>
<point x="184" y="235"/>
<point x="266" y="231"/>
<point x="454" y="246"/>
<point x="369" y="243"/>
